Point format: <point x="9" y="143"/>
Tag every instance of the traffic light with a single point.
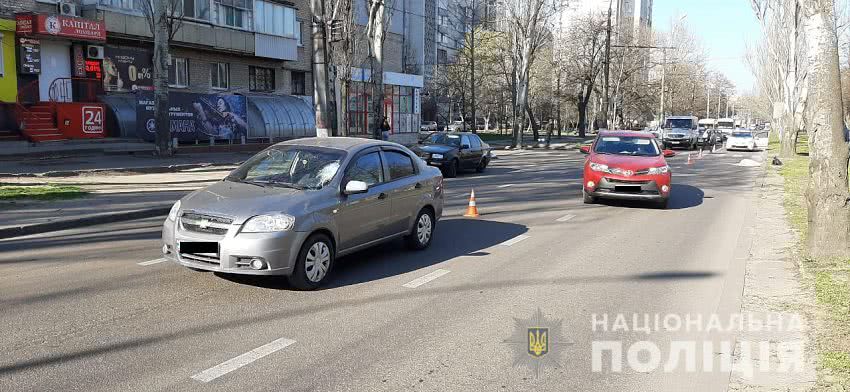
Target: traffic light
<point x="336" y="30"/>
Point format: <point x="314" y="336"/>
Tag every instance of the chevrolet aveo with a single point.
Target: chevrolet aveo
<point x="626" y="165"/>
<point x="295" y="207"/>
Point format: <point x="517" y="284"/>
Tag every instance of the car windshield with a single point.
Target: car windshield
<point x="626" y="145"/>
<point x="725" y="124"/>
<point x="678" y="123"/>
<point x="296" y="167"/>
<point x="742" y="134"/>
<point x="443" y="139"/>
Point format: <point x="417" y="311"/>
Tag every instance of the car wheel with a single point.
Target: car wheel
<point x="314" y="263"/>
<point x="422" y="231"/>
<point x="588" y="199"/>
<point x="452" y="169"/>
<point x="481" y="165"/>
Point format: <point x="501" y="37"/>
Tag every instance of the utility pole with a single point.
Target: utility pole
<point x="607" y="67"/>
<point x="320" y="69"/>
<point x="707" y="101"/>
<point x="472" y="67"/>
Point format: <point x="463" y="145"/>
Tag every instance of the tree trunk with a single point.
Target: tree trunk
<point x="320" y="70"/>
<point x="827" y="193"/>
<point x="160" y="73"/>
<point x="788" y="139"/>
<point x="375" y="33"/>
<point x="535" y="131"/>
<point x="582" y="119"/>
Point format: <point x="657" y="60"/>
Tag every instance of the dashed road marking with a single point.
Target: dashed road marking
<point x="505" y="186"/>
<point x="514" y="240"/>
<point x="565" y="218"/>
<point x="425" y="278"/>
<point x="242" y="360"/>
<point x="151" y="262"/>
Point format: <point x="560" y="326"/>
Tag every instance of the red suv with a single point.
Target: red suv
<point x="626" y="165"/>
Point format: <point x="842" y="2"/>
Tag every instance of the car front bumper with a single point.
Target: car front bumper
<point x="278" y="250"/>
<point x="643" y="187"/>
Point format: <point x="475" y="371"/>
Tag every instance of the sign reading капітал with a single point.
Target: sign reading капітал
<point x="60" y="26"/>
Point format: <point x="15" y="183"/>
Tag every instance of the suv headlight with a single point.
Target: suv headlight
<point x="172" y="214"/>
<point x="437" y="156"/>
<point x="598" y="167"/>
<point x="659" y="170"/>
<point x="269" y="223"/>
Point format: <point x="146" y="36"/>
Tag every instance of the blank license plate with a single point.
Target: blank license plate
<point x="199" y="247"/>
<point x="627" y="188"/>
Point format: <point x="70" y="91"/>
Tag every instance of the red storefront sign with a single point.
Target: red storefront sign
<point x="80" y="120"/>
<point x="60" y="26"/>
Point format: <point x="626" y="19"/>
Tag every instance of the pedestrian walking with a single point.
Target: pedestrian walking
<point x="385" y="129"/>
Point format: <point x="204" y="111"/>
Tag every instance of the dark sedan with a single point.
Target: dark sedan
<point x="454" y="151"/>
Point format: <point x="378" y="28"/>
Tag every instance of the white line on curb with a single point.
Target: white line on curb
<point x="425" y="279"/>
<point x="514" y="240"/>
<point x="151" y="262"/>
<point x="242" y="360"/>
<point x="565" y="218"/>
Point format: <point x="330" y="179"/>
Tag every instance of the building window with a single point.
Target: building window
<point x="178" y="72"/>
<point x="220" y="76"/>
<point x="299" y="83"/>
<point x="2" y="59"/>
<point x="260" y="79"/>
<point x="130" y="5"/>
<point x="442" y="57"/>
<point x="234" y="13"/>
<point x="197" y="9"/>
<point x="275" y="19"/>
<point x="298" y="26"/>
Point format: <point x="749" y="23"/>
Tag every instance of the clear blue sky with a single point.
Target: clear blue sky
<point x="724" y="27"/>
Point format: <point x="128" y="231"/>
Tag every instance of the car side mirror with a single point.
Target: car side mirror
<point x="354" y="187"/>
<point x="668" y="153"/>
<point x="584" y="149"/>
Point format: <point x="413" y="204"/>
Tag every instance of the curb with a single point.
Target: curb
<point x="141" y="170"/>
<point x="91" y="220"/>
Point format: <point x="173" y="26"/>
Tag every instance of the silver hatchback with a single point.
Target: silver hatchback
<point x="295" y="207"/>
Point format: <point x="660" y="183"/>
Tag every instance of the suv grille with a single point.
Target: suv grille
<point x="208" y="224"/>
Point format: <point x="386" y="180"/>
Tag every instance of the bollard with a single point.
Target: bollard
<point x="212" y="141"/>
<point x="243" y="139"/>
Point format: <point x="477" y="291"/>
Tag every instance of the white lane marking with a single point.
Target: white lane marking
<point x="242" y="360"/>
<point x="151" y="262"/>
<point x="505" y="186"/>
<point x="425" y="278"/>
<point x="514" y="240"/>
<point x="565" y="218"/>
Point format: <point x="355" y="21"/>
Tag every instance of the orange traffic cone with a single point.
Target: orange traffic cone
<point x="690" y="162"/>
<point x="472" y="210"/>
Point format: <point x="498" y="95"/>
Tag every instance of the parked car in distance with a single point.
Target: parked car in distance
<point x="747" y="140"/>
<point x="626" y="165"/>
<point x="453" y="152"/>
<point x="456" y="126"/>
<point x="295" y="207"/>
<point x="428" y="126"/>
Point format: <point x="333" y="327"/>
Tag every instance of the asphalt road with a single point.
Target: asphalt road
<point x="78" y="311"/>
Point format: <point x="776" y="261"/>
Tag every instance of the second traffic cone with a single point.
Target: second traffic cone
<point x="700" y="154"/>
<point x="472" y="210"/>
<point x="690" y="162"/>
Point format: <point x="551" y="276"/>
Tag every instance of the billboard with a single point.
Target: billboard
<point x="195" y="116"/>
<point x="127" y="69"/>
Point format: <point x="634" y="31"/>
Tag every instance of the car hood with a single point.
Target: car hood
<point x="241" y="201"/>
<point x="434" y="148"/>
<point x="628" y="162"/>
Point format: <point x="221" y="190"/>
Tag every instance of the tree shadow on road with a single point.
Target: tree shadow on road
<point x="452" y="238"/>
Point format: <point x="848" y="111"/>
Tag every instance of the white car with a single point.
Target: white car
<point x="456" y="126"/>
<point x="747" y="140"/>
<point x="428" y="126"/>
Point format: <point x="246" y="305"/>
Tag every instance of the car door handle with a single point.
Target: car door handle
<point x="418" y="185"/>
<point x="382" y="196"/>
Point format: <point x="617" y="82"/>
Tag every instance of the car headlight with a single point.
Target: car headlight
<point x="437" y="156"/>
<point x="269" y="223"/>
<point x="172" y="214"/>
<point x="598" y="167"/>
<point x="659" y="170"/>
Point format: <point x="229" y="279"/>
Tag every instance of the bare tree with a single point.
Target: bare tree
<point x="583" y="56"/>
<point x="827" y="193"/>
<point x="783" y="71"/>
<point x="343" y="53"/>
<point x="164" y="19"/>
<point x="379" y="14"/>
<point x="530" y="24"/>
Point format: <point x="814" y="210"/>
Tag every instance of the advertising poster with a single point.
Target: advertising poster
<point x="127" y="69"/>
<point x="196" y="116"/>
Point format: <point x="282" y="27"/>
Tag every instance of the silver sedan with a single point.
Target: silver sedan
<point x="296" y="206"/>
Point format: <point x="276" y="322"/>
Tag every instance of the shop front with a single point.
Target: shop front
<point x="401" y="106"/>
<point x="60" y="73"/>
